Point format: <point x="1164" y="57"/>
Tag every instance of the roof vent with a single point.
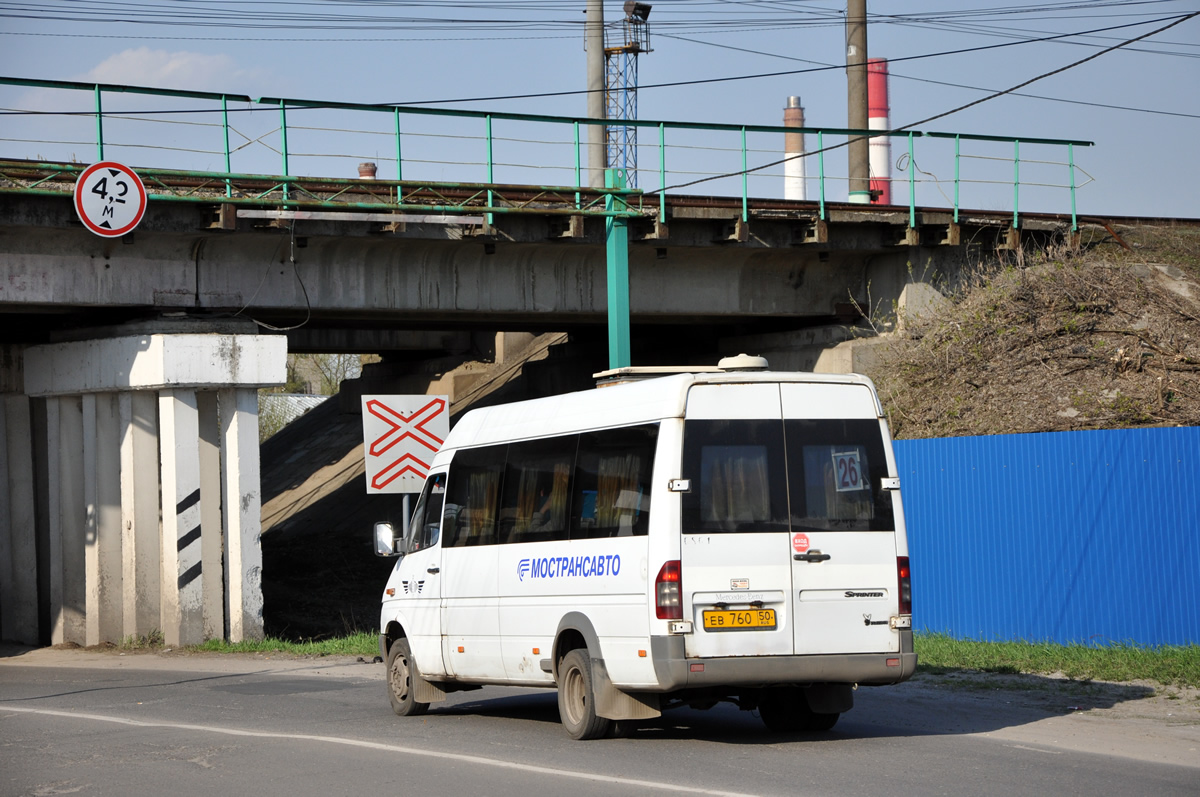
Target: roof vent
<point x="743" y="362"/>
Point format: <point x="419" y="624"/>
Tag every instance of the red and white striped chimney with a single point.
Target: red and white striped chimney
<point x="793" y="146"/>
<point x="877" y="119"/>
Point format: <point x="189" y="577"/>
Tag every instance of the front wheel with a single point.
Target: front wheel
<point x="576" y="699"/>
<point x="401" y="671"/>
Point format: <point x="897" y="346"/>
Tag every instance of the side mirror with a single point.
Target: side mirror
<point x="385" y="540"/>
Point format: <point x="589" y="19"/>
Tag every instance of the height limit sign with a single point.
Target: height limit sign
<point x="400" y="436"/>
<point x="110" y="199"/>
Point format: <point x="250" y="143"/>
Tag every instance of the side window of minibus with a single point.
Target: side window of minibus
<point x="611" y="494"/>
<point x="537" y="500"/>
<point x="427" y="519"/>
<point x="472" y="496"/>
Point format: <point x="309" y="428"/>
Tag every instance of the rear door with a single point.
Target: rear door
<point x="843" y="530"/>
<point x="735" y="555"/>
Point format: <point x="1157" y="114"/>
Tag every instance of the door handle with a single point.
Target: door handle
<point x="814" y="556"/>
<point x="434" y="570"/>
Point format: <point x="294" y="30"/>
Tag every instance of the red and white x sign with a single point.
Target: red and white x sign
<point x="400" y="436"/>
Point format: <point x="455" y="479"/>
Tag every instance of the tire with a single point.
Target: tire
<point x="401" y="670"/>
<point x="785" y="710"/>
<point x="576" y="700"/>
<point x="821" y="722"/>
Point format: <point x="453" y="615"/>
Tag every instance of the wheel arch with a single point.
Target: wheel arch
<point x="575" y="630"/>
<point x="391" y="632"/>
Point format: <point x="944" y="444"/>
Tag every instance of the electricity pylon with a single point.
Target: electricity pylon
<point x="620" y="89"/>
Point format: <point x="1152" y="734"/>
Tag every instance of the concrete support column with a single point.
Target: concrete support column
<point x="102" y="501"/>
<point x="137" y="428"/>
<point x="182" y="610"/>
<point x="140" y="531"/>
<point x="212" y="543"/>
<point x="242" y="512"/>
<point x="18" y="547"/>
<point x="67" y="442"/>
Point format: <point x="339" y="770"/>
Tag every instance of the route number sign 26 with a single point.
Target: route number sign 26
<point x="847" y="473"/>
<point x="110" y="199"/>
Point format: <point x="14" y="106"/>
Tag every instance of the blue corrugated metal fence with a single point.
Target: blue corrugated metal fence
<point x="1067" y="537"/>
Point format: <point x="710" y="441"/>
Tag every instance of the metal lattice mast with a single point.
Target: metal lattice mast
<point x="620" y="89"/>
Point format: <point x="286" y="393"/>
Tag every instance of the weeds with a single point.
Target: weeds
<point x="1102" y="337"/>
<point x="149" y="641"/>
<point x="1168" y="665"/>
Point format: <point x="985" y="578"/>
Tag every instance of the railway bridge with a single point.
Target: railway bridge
<point x="130" y="491"/>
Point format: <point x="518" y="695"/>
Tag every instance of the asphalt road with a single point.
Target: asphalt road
<point x="74" y="722"/>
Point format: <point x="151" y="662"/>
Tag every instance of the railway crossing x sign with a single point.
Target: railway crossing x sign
<point x="400" y="436"/>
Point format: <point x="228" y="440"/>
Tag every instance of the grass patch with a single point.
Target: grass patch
<point x="360" y="643"/>
<point x="1168" y="664"/>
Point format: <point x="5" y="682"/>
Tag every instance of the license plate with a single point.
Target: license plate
<point x="739" y="619"/>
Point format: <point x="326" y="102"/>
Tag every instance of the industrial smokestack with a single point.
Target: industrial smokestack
<point x="793" y="150"/>
<point x="878" y="113"/>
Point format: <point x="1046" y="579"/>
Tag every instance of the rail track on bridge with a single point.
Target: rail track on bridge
<point x="55" y="179"/>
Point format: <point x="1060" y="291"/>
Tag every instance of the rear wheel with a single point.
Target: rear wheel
<point x="576" y="700"/>
<point x="401" y="672"/>
<point x="785" y="709"/>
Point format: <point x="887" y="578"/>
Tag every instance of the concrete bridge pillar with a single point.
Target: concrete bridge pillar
<point x="130" y="501"/>
<point x="18" y="553"/>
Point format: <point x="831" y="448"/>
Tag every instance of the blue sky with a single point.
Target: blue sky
<point x="1141" y="105"/>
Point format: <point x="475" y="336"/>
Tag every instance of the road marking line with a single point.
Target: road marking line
<point x="391" y="748"/>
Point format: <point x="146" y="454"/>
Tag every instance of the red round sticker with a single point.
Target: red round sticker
<point x="800" y="542"/>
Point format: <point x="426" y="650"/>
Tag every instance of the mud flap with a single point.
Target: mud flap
<point x="426" y="691"/>
<point x="613" y="704"/>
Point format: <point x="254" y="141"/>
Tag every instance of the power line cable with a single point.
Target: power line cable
<point x="703" y="81"/>
<point x="944" y="114"/>
<point x="943" y="82"/>
<point x="1080" y="62"/>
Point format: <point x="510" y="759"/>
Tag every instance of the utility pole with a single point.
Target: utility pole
<point x="856" y="84"/>
<point x="594" y="42"/>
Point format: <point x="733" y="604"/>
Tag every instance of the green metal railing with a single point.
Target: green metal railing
<point x="287" y="189"/>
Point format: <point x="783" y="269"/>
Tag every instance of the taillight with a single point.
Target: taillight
<point x="904" y="576"/>
<point x="668" y="591"/>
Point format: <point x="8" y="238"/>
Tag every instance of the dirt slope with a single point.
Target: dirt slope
<point x="1104" y="337"/>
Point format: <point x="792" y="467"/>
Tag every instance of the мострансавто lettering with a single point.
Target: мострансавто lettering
<point x="569" y="566"/>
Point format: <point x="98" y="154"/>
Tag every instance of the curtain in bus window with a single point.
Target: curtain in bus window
<point x="737" y="474"/>
<point x="836" y="483"/>
<point x="472" y="497"/>
<point x="617" y="493"/>
<point x="612" y="482"/>
<point x="479" y="515"/>
<point x="733" y="485"/>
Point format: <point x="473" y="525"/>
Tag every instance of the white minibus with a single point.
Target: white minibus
<point x="729" y="534"/>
